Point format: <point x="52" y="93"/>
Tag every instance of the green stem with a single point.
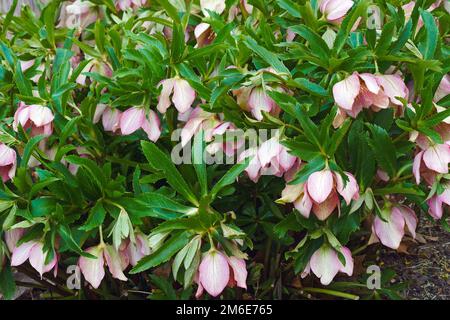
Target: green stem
<point x="332" y="293"/>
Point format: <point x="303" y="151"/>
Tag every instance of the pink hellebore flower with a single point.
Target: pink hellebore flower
<point x="101" y="68"/>
<point x="110" y="117"/>
<point x="8" y="162"/>
<point x="79" y="14"/>
<point x="335" y="10"/>
<point x="183" y="95"/>
<point x="434" y="159"/>
<point x="325" y="264"/>
<point x="203" y="34"/>
<point x="366" y="90"/>
<point x="216" y="271"/>
<point x="212" y="126"/>
<point x="320" y="193"/>
<point x="436" y="203"/>
<point x="93" y="268"/>
<point x="35" y="117"/>
<point x="391" y="231"/>
<point x="34" y="252"/>
<point x="135" y="251"/>
<point x="136" y="118"/>
<point x="217" y="6"/>
<point x="271" y="158"/>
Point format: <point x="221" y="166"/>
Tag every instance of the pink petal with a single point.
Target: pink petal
<point x="371" y="82"/>
<point x="259" y="101"/>
<point x="111" y="119"/>
<point x="435" y="207"/>
<point x="40" y="115"/>
<point x="351" y="189"/>
<point x="268" y="150"/>
<point x="131" y="120"/>
<point x="416" y="166"/>
<point x="37" y="259"/>
<point x="98" y="112"/>
<point x="114" y="263"/>
<point x="239" y="271"/>
<point x="12" y="237"/>
<point x="152" y="126"/>
<point x="325" y="209"/>
<point x="337" y="9"/>
<point x="93" y="269"/>
<point x="214" y="272"/>
<point x="183" y="95"/>
<point x="190" y="128"/>
<point x="391" y="232"/>
<point x="21" y="116"/>
<point x="304" y="205"/>
<point x="348" y="268"/>
<point x="164" y="97"/>
<point x="410" y="219"/>
<point x="21" y="253"/>
<point x="320" y="184"/>
<point x="443" y="88"/>
<point x="437" y="158"/>
<point x="393" y="86"/>
<point x="325" y="264"/>
<point x="445" y="196"/>
<point x="346" y="91"/>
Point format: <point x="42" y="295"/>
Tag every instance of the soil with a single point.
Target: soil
<point x="424" y="267"/>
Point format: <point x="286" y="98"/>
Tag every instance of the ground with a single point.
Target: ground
<point x="425" y="267"/>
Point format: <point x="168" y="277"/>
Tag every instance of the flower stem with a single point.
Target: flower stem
<point x="332" y="293"/>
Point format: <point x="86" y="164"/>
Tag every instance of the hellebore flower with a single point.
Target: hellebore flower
<point x="183" y="95"/>
<point x="93" y="268"/>
<point x="217" y="6"/>
<point x="216" y="271"/>
<point x="8" y="162"/>
<point x="135" y="118"/>
<point x="434" y="159"/>
<point x="78" y="14"/>
<point x="110" y="117"/>
<point x="325" y="264"/>
<point x="135" y="251"/>
<point x="320" y="193"/>
<point x="271" y="158"/>
<point x="99" y="67"/>
<point x="335" y="10"/>
<point x="35" y="117"/>
<point x="437" y="201"/>
<point x="366" y="90"/>
<point x="34" y="252"/>
<point x="391" y="231"/>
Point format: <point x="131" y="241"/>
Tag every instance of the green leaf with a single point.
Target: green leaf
<point x="7" y="284"/>
<point x="229" y="177"/>
<point x="431" y="39"/>
<point x="384" y="149"/>
<point x="160" y="160"/>
<point x="317" y="44"/>
<point x="96" y="217"/>
<point x="29" y="148"/>
<point x="91" y="166"/>
<point x="164" y="253"/>
<point x="309" y="86"/>
<point x="385" y="40"/>
<point x="198" y="152"/>
<point x="266" y="55"/>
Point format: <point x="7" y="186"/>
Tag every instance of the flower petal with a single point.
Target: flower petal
<point x="93" y="269"/>
<point x="131" y="120"/>
<point x="21" y="253"/>
<point x="164" y="97"/>
<point x="239" y="271"/>
<point x="346" y="91"/>
<point x="152" y="126"/>
<point x="325" y="264"/>
<point x="114" y="263"/>
<point x="183" y="95"/>
<point x="214" y="272"/>
<point x="437" y="157"/>
<point x="320" y="184"/>
<point x="351" y="189"/>
<point x="391" y="232"/>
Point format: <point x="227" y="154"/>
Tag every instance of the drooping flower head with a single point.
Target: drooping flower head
<point x="35" y="117"/>
<point x="8" y="162"/>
